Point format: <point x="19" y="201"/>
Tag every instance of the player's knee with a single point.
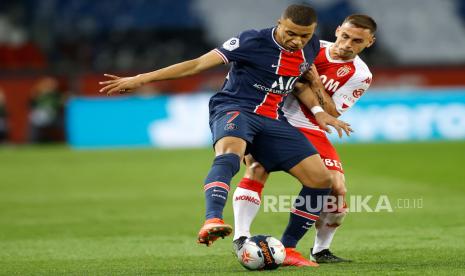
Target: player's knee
<point x="230" y="145"/>
<point x="339" y="187"/>
<point x="229" y="160"/>
<point x="327" y="180"/>
<point x="257" y="172"/>
<point x="339" y="191"/>
<point x="322" y="180"/>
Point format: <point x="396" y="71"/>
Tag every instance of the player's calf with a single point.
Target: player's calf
<point x="307" y="208"/>
<point x="216" y="189"/>
<point x="216" y="185"/>
<point x="326" y="228"/>
<point x="246" y="203"/>
<point x="332" y="219"/>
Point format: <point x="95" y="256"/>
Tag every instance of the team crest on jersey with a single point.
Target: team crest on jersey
<point x="231" y="44"/>
<point x="343" y="71"/>
<point x="303" y="67"/>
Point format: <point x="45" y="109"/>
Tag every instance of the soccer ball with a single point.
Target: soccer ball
<point x="261" y="253"/>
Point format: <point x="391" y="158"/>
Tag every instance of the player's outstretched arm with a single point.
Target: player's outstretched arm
<point x="305" y="94"/>
<point x="176" y="71"/>
<point x="324" y="100"/>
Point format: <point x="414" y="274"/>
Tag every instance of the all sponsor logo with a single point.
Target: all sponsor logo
<point x="271" y="89"/>
<point x="281" y="86"/>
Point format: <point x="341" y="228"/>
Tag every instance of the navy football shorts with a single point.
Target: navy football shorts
<point x="276" y="144"/>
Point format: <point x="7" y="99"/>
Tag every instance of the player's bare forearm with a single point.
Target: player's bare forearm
<point x="183" y="69"/>
<point x="325" y="101"/>
<point x="176" y="71"/>
<point x="304" y="93"/>
<point x="317" y="87"/>
<point x="312" y="96"/>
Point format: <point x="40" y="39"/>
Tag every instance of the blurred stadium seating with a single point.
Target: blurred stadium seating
<point x="421" y="43"/>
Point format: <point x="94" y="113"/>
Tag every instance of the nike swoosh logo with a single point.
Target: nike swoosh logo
<point x="275" y="65"/>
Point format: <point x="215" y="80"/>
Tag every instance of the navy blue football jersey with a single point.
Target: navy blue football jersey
<point x="262" y="73"/>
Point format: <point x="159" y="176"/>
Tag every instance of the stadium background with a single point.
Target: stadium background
<point x="71" y="203"/>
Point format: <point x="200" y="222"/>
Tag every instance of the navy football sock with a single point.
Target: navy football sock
<point x="217" y="183"/>
<point x="304" y="213"/>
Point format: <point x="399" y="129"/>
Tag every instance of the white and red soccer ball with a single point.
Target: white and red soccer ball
<point x="261" y="253"/>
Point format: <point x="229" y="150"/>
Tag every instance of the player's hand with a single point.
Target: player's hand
<point x="120" y="85"/>
<point x="325" y="120"/>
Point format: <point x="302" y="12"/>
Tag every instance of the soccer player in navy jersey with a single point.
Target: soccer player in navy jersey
<point x="246" y="115"/>
<point x="344" y="79"/>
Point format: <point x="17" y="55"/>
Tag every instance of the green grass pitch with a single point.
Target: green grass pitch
<point x="137" y="212"/>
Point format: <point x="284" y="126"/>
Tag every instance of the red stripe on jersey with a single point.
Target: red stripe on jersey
<point x="305" y="214"/>
<point x="216" y="184"/>
<point x="269" y="106"/>
<point x="321" y="59"/>
<point x="289" y="63"/>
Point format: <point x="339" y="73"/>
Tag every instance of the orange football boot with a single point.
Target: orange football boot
<point x="212" y="229"/>
<point x="294" y="258"/>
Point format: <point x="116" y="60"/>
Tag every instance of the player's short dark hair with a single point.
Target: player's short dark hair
<point x="361" y="21"/>
<point x="302" y="15"/>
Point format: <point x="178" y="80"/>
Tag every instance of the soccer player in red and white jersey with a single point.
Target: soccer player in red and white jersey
<point x="344" y="79"/>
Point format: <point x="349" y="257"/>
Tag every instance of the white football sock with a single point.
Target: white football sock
<point x="325" y="230"/>
<point x="246" y="204"/>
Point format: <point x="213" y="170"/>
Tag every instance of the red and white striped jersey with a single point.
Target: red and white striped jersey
<point x="345" y="81"/>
